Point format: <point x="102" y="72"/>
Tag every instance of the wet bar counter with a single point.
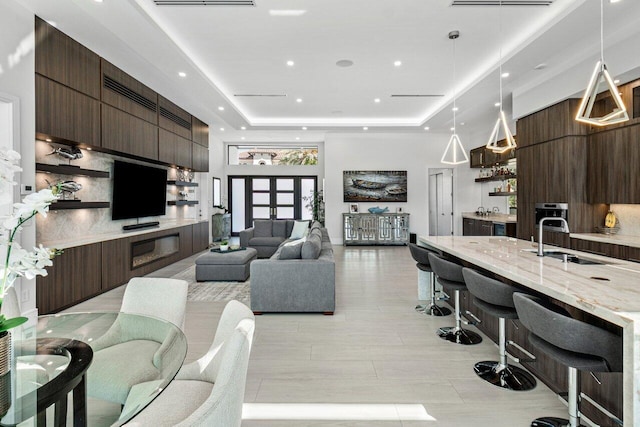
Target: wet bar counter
<point x="615" y="300"/>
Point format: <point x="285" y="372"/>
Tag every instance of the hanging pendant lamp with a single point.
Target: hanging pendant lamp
<point x="601" y="81"/>
<point x="501" y="123"/>
<point x="454" y="154"/>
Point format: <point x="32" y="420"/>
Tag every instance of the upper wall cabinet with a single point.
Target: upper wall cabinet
<point x="124" y="92"/>
<point x="173" y="118"/>
<point x="60" y="58"/>
<point x="200" y="132"/>
<point x="65" y="115"/>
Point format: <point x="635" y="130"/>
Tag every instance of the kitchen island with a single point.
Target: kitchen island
<point x="609" y="291"/>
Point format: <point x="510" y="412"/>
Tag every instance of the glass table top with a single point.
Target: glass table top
<point x="107" y="349"/>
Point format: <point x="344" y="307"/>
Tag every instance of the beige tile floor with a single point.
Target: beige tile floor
<point x="376" y="362"/>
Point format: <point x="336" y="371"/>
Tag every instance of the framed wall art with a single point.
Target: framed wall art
<point x="374" y="186"/>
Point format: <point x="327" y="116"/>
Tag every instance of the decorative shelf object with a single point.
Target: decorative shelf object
<point x="182" y="183"/>
<point x="182" y="202"/>
<point x="56" y="206"/>
<point x="503" y="193"/>
<point x="70" y="170"/>
<point x="496" y="178"/>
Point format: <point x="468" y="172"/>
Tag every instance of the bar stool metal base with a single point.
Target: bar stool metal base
<point x="551" y="422"/>
<point x="459" y="335"/>
<point x="509" y="377"/>
<point x="433" y="310"/>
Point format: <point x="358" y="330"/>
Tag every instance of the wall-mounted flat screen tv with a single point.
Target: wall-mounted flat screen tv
<point x="138" y="191"/>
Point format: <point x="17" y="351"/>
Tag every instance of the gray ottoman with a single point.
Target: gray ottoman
<point x="225" y="266"/>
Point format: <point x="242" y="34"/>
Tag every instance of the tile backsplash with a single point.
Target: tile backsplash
<point x="629" y="218"/>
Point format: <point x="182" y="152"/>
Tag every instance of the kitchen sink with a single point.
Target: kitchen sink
<point x="570" y="257"/>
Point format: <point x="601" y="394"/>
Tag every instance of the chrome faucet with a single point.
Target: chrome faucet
<point x="549" y="218"/>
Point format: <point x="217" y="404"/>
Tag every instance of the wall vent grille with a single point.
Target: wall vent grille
<point x="134" y="96"/>
<point x="501" y="2"/>
<point x="204" y="2"/>
<point x="174" y="118"/>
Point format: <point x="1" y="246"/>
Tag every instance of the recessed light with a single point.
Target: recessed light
<point x="505" y="75"/>
<point x="497" y="104"/>
<point x="221" y="108"/>
<point x="290" y="63"/>
<point x="455" y="109"/>
<point x="377" y="100"/>
<point x="304" y="128"/>
<point x="182" y="74"/>
<point x="299" y="100"/>
<point x="344" y="63"/>
<point x="365" y="128"/>
<point x="221" y="129"/>
<point x="426" y="128"/>
<point x="616" y="81"/>
<point x="243" y="127"/>
<point x="397" y="63"/>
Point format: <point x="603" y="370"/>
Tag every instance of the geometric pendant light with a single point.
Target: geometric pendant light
<point x="601" y="81"/>
<point x="501" y="124"/>
<point x="454" y="154"/>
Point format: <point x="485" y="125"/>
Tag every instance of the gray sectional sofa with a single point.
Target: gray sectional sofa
<point x="298" y="277"/>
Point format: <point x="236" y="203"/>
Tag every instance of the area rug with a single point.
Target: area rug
<point x="214" y="291"/>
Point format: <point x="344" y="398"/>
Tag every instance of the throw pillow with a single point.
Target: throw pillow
<point x="311" y="248"/>
<point x="262" y="228"/>
<point x="299" y="229"/>
<point x="291" y="251"/>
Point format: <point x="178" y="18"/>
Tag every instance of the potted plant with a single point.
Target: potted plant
<point x="224" y="246"/>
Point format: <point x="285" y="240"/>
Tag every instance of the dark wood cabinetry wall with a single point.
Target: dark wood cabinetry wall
<point x="82" y="99"/>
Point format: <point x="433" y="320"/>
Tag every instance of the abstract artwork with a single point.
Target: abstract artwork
<point x="374" y="186"/>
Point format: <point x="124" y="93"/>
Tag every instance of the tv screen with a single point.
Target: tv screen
<point x="138" y="191"/>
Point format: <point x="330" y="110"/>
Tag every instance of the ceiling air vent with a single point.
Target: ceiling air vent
<point x="501" y="2"/>
<point x="134" y="96"/>
<point x="174" y="118"/>
<point x="204" y="2"/>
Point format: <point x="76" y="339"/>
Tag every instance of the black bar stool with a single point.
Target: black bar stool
<point x="450" y="277"/>
<point x="421" y="256"/>
<point x="496" y="299"/>
<point x="579" y="345"/>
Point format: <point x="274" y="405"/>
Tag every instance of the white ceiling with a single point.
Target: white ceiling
<point x="230" y="50"/>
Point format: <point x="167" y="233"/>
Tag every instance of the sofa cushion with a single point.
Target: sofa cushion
<point x="291" y="251"/>
<point x="262" y="228"/>
<point x="266" y="241"/>
<point x="279" y="229"/>
<point x="299" y="229"/>
<point x="312" y="247"/>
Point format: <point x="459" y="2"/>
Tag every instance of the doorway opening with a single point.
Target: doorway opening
<point x="441" y="202"/>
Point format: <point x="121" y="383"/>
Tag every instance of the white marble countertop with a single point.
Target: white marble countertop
<point x="95" y="238"/>
<point x="492" y="217"/>
<point x="614" y="239"/>
<point x="572" y="283"/>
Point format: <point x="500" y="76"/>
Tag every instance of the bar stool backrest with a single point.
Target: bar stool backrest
<point x="487" y="289"/>
<point x="554" y="325"/>
<point x="446" y="269"/>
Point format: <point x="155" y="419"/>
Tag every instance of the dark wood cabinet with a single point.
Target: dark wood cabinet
<point x="127" y="134"/>
<point x="62" y="59"/>
<point x="200" y="158"/>
<point x="199" y="132"/>
<point x="65" y="115"/>
<point x="200" y="237"/>
<point x="173" y="118"/>
<point x="74" y="277"/>
<point x="122" y="91"/>
<point x="174" y="149"/>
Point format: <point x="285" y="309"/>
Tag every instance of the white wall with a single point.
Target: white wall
<point x="17" y="80"/>
<point x="415" y="153"/>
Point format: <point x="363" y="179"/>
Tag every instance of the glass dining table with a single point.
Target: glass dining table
<point x="59" y="363"/>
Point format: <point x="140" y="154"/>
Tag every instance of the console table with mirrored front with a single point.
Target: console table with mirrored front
<point x="375" y="229"/>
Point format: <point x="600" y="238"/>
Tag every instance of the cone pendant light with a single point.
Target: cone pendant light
<point x="601" y="81"/>
<point x="501" y="123"/>
<point x="454" y="154"/>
